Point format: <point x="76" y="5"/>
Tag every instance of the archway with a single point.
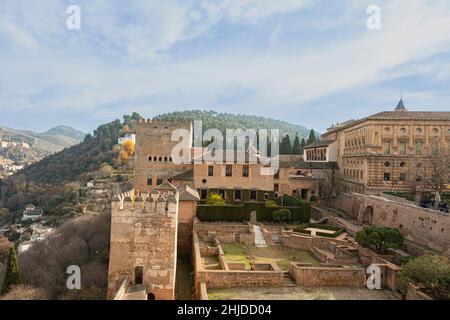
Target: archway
<point x="367" y="216"/>
<point x="151" y="296"/>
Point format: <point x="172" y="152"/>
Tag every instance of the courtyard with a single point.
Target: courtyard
<point x="282" y="256"/>
<point x="302" y="293"/>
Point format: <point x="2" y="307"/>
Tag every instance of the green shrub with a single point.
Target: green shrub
<point x="242" y="212"/>
<point x="281" y="215"/>
<point x="271" y="204"/>
<point x="380" y="238"/>
<point x="431" y="273"/>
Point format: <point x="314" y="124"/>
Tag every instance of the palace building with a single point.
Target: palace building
<point x="236" y="181"/>
<point x="381" y="152"/>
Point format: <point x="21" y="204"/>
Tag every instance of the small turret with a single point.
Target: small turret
<point x="401" y="106"/>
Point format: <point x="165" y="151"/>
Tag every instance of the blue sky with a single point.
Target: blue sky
<point x="310" y="62"/>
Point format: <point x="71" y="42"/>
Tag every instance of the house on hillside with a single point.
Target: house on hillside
<point x="128" y="137"/>
<point x="31" y="213"/>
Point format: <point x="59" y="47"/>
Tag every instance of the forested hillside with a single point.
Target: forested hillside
<point x="43" y="183"/>
<point x="223" y="121"/>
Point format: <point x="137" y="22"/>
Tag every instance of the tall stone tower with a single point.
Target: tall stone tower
<point x="143" y="247"/>
<point x="154" y="153"/>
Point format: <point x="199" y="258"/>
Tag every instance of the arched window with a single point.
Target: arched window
<point x="160" y="159"/>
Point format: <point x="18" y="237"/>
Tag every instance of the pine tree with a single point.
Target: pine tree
<point x="297" y="148"/>
<point x="312" y="137"/>
<point x="12" y="272"/>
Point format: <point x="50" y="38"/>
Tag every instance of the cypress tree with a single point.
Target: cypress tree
<point x="286" y="145"/>
<point x="312" y="137"/>
<point x="297" y="148"/>
<point x="302" y="145"/>
<point x="12" y="272"/>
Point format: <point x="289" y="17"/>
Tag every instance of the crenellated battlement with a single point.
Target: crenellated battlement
<point x="156" y="201"/>
<point x="160" y="124"/>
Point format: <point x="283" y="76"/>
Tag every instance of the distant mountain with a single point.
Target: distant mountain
<point x="40" y="144"/>
<point x="223" y="121"/>
<point x="65" y="131"/>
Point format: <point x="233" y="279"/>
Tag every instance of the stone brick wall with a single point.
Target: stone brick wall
<point x="227" y="279"/>
<point x="424" y="226"/>
<point x="332" y="277"/>
<point x="225" y="232"/>
<point x="153" y="139"/>
<point x="143" y="235"/>
<point x="414" y="293"/>
<point x="186" y="212"/>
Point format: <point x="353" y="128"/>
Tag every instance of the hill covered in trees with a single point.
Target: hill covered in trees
<point x="223" y="121"/>
<point x="43" y="183"/>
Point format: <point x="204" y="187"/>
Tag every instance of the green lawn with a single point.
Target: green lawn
<point x="235" y="252"/>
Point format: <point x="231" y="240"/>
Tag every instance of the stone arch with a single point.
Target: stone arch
<point x="151" y="296"/>
<point x="367" y="215"/>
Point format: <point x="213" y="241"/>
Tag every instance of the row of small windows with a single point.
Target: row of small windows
<point x="418" y="130"/>
<point x="159" y="159"/>
<point x="316" y="155"/>
<point x="229" y="171"/>
<point x="158" y="181"/>
<point x="237" y="194"/>
<point x="358" y="174"/>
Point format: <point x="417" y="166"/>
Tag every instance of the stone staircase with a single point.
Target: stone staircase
<point x="137" y="292"/>
<point x="260" y="242"/>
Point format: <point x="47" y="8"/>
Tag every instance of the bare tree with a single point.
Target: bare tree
<point x="330" y="184"/>
<point x="438" y="169"/>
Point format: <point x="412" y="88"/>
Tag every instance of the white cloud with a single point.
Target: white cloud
<point x="116" y="60"/>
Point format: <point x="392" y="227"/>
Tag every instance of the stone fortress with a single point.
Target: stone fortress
<point x="156" y="221"/>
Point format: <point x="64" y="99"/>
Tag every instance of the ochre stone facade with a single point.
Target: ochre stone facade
<point x="154" y="164"/>
<point x="380" y="152"/>
<point x="144" y="243"/>
<point x="428" y="227"/>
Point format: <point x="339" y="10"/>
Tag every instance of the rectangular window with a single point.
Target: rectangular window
<point x="238" y="195"/>
<point x="387" y="147"/>
<point x="222" y="193"/>
<point x="203" y="194"/>
<point x="434" y="148"/>
<point x="245" y="171"/>
<point x="418" y="147"/>
<point x="276" y="187"/>
<point x="403" y="147"/>
<point x="159" y="181"/>
<point x="149" y="181"/>
<point x="277" y="175"/>
<point x="253" y="195"/>
<point x="387" y="176"/>
<point x="402" y="177"/>
<point x="210" y="171"/>
<point x="229" y="170"/>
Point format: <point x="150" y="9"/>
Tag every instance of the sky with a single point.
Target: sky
<point x="309" y="62"/>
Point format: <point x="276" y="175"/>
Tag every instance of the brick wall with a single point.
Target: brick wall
<point x="424" y="226"/>
<point x="226" y="279"/>
<point x="332" y="277"/>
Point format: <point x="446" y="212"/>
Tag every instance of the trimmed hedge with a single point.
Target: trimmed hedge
<point x="241" y="213"/>
<point x="338" y="231"/>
